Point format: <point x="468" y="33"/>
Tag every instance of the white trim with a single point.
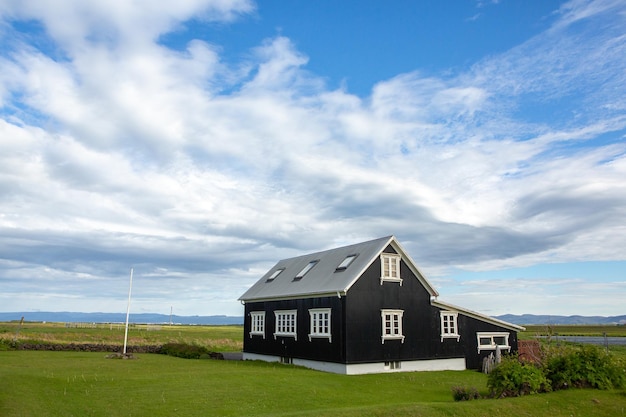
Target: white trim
<point x="492" y="343"/>
<point x="390" y="268"/>
<point x="392" y="327"/>
<point x="319" y="327"/>
<point x="452" y="364"/>
<point x="286" y="323"/>
<point x="449" y="325"/>
<point x="408" y="261"/>
<point x="257" y="323"/>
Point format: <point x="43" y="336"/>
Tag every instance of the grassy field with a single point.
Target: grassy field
<point x="87" y="384"/>
<point x="573" y="330"/>
<point x="216" y="338"/>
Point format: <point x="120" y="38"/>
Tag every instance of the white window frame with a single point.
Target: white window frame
<point x="390" y="268"/>
<point x="492" y="344"/>
<point x="286" y="323"/>
<point x="320" y="323"/>
<point x="392" y="326"/>
<point x="450" y="325"/>
<point x="257" y="323"/>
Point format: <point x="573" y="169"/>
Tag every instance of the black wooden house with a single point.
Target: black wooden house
<point x="364" y="308"/>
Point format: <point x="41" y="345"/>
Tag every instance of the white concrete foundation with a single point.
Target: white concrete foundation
<point x="453" y="364"/>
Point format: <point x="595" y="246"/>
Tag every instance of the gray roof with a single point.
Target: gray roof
<point x="324" y="278"/>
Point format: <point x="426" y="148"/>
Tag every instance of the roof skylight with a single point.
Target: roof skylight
<point x="346" y="262"/>
<point x="306" y="269"/>
<point x="274" y="275"/>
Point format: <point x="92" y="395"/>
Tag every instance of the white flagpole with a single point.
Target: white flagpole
<point x="128" y="309"/>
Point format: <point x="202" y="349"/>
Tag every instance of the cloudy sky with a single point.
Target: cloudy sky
<point x="200" y="141"/>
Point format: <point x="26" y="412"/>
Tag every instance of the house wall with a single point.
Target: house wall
<point x="421" y="323"/>
<point x="318" y="349"/>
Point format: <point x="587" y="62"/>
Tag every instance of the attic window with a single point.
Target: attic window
<point x="274" y="275"/>
<point x="306" y="269"/>
<point x="346" y="262"/>
<point x="390" y="268"/>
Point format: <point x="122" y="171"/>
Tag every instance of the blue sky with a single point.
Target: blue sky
<point x="201" y="141"/>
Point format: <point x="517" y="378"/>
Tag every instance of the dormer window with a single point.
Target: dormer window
<point x="306" y="269"/>
<point x="346" y="262"/>
<point x="274" y="275"/>
<point x="390" y="268"/>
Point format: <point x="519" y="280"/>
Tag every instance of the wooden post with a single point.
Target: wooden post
<point x="130" y="288"/>
<point x="17" y="332"/>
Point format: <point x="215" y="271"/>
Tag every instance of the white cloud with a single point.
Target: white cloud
<point x="127" y="152"/>
<point x="118" y="24"/>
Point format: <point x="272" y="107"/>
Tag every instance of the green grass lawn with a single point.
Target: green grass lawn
<point x="87" y="384"/>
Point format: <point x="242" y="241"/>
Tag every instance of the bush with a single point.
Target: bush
<point x="183" y="350"/>
<point x="465" y="394"/>
<point x="586" y="367"/>
<point x="6" y="344"/>
<point x="512" y="378"/>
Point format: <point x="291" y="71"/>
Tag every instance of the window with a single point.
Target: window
<point x="257" y="323"/>
<point x="392" y="365"/>
<point x="392" y="325"/>
<point x="306" y="269"/>
<point x="320" y="323"/>
<point x="449" y="326"/>
<point x="489" y="340"/>
<point x="390" y="268"/>
<point x="346" y="263"/>
<point x="274" y="275"/>
<point x="286" y="323"/>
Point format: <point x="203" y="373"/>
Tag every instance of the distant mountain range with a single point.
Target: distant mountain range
<point x="531" y="319"/>
<point x="148" y="318"/>
<point x="143" y="318"/>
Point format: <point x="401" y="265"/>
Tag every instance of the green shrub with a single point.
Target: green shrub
<point x="183" y="350"/>
<point x="6" y="344"/>
<point x="585" y="367"/>
<point x="465" y="394"/>
<point x="512" y="378"/>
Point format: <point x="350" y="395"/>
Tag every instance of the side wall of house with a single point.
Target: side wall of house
<point x="301" y="346"/>
<point x="421" y="324"/>
<point x="420" y="320"/>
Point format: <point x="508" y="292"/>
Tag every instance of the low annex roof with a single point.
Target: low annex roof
<point x="474" y="314"/>
<point x="325" y="273"/>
